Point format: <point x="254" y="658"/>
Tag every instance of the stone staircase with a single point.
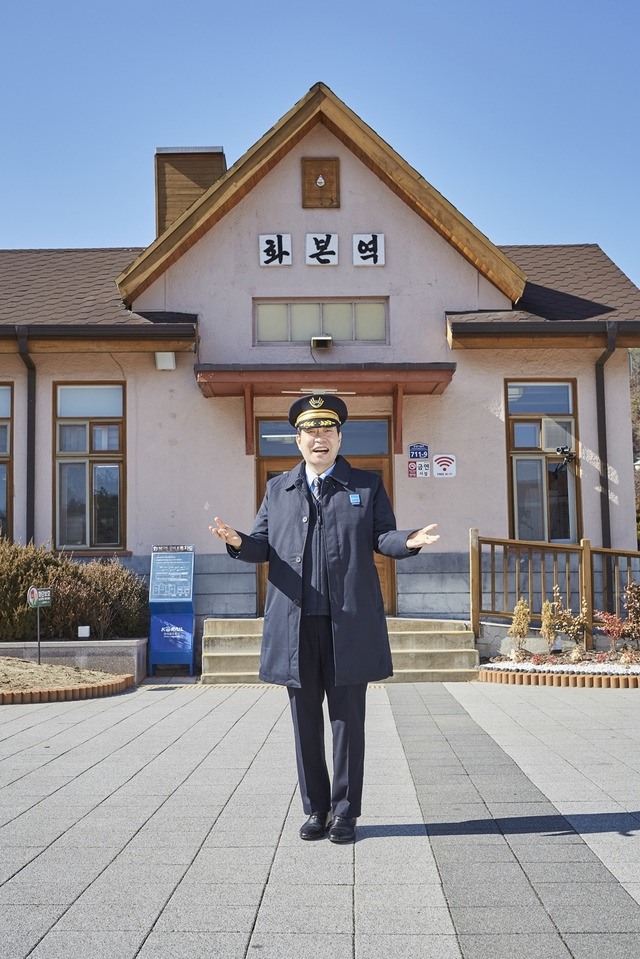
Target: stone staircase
<point x="424" y="651"/>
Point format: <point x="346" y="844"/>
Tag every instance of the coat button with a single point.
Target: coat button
<point x="298" y="559"/>
<point x="305" y="519"/>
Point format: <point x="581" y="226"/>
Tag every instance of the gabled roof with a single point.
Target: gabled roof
<point x="321" y="105"/>
<point x="50" y="297"/>
<point x="575" y="293"/>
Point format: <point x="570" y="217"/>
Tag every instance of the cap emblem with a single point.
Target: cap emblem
<point x="316" y="402"/>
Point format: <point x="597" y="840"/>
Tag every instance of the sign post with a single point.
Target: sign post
<point x="37" y="598"/>
<point x="171" y="605"/>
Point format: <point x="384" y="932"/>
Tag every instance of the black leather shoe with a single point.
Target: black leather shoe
<point x="343" y="830"/>
<point x="316" y="825"/>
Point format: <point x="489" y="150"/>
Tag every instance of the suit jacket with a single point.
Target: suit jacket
<point x="358" y="520"/>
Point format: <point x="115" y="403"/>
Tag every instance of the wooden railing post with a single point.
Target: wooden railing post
<point x="587" y="590"/>
<point x="475" y="581"/>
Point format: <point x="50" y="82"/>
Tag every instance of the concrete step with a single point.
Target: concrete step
<point x="398" y="624"/>
<point x="231" y="627"/>
<point x="429" y="659"/>
<point x="423" y="650"/>
<point x="444" y="639"/>
<point x="433" y="676"/>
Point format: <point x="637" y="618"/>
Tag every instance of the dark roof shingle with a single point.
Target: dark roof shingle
<point x="63" y="286"/>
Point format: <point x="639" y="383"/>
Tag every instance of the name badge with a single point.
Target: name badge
<point x="355" y="499"/>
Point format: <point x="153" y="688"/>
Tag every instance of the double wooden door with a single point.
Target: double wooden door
<point x="274" y="466"/>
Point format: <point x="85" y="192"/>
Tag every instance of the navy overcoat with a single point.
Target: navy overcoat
<point x="358" y="520"/>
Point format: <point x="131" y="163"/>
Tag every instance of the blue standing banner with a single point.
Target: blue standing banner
<point x="171" y="606"/>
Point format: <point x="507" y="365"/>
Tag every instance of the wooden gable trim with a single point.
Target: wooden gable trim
<point x="423" y="199"/>
<point x="321" y="105"/>
<point x="219" y="200"/>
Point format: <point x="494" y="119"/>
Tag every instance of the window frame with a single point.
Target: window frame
<point x="546" y="455"/>
<point x="288" y="302"/>
<point x="91" y="458"/>
<point x="6" y="460"/>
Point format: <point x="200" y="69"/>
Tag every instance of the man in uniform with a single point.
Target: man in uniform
<point x="325" y="630"/>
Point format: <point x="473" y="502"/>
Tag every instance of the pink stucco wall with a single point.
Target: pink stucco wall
<point x="186" y="457"/>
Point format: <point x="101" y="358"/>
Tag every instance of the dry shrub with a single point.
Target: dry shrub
<point x="104" y="595"/>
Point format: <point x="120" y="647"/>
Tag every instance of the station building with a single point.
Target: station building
<point x="145" y="391"/>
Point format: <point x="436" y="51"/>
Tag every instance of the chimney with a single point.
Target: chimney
<point x="183" y="174"/>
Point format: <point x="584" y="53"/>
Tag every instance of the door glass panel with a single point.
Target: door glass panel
<point x="106" y="437"/>
<point x="530" y="499"/>
<point x="557" y="433"/>
<point x="106" y="512"/>
<point x="559" y="503"/>
<point x="359" y="438"/>
<point x="5" y="401"/>
<point x="85" y="401"/>
<point x="365" y="438"/>
<point x="539" y="398"/>
<point x="72" y="438"/>
<point x="73" y="504"/>
<point x="4" y="437"/>
<point x="3" y="499"/>
<point x="526" y="435"/>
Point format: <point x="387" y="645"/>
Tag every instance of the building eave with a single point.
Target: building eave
<point x="501" y="334"/>
<point x="99" y="338"/>
<point x="376" y="379"/>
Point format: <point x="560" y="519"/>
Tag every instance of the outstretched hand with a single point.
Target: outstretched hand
<point x="226" y="533"/>
<point x="423" y="537"/>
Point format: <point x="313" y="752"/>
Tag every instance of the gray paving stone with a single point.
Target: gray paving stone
<point x="300" y="946"/>
<point x="522" y="946"/>
<point x="230" y="865"/>
<point x="192" y="945"/>
<point x="426" y="946"/>
<point x="304" y="909"/>
<point x="416" y="910"/>
<point x="600" y="944"/>
<point x="97" y="945"/>
<point x="510" y="920"/>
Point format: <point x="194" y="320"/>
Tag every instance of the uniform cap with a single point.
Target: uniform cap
<point x="317" y="410"/>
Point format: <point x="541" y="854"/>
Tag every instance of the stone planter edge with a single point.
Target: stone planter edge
<point x="589" y="680"/>
<point x="64" y="693"/>
<point x="122" y="657"/>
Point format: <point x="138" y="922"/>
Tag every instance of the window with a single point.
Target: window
<point x="296" y="321"/>
<point x="89" y="466"/>
<point x="542" y="442"/>
<point x="6" y="471"/>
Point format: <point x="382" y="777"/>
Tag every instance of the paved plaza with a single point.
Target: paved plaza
<point x="500" y="822"/>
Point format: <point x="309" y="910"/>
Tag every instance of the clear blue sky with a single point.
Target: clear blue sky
<point x="524" y="115"/>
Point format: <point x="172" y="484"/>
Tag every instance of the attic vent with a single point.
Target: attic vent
<point x="183" y="174"/>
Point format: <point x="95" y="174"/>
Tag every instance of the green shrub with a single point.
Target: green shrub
<point x="104" y="595"/>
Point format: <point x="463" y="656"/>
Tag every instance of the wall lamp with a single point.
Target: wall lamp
<point x="165" y="361"/>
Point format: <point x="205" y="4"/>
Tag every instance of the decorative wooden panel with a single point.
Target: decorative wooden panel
<point x="320" y="183"/>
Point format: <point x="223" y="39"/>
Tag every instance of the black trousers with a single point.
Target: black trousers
<point x="346" y="705"/>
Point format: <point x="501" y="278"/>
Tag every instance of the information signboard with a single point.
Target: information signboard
<point x="171" y="605"/>
<point x="171" y="574"/>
